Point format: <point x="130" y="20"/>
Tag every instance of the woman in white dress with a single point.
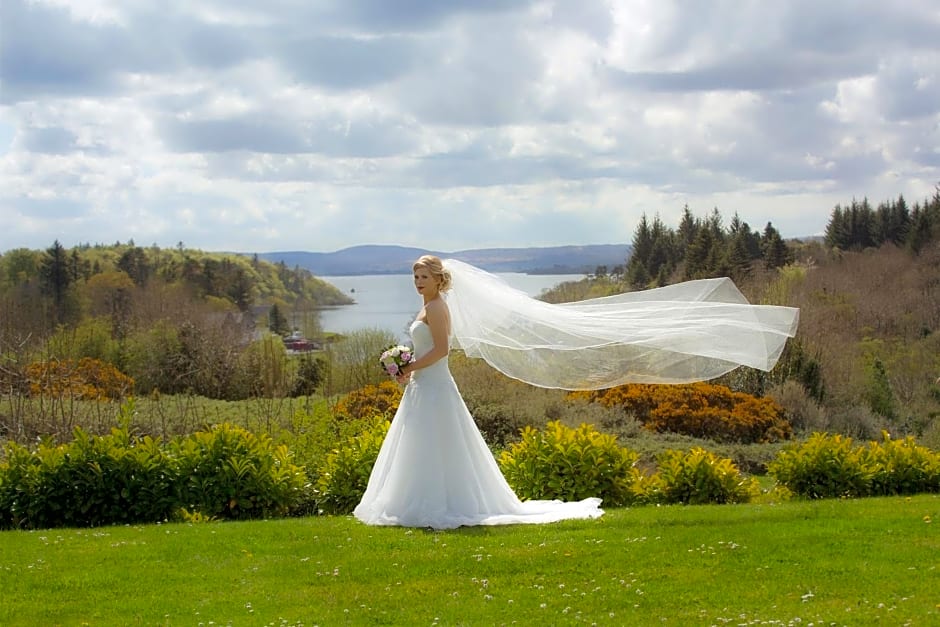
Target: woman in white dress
<point x="434" y="468"/>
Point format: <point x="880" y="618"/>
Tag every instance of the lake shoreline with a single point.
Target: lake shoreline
<point x="389" y="301"/>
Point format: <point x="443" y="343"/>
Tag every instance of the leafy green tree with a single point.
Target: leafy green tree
<point x="20" y="265"/>
<point x="311" y="372"/>
<point x="109" y="294"/>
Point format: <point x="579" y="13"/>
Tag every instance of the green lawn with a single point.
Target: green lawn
<point x="852" y="562"/>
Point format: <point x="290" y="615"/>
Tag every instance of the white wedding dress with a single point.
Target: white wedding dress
<point x="435" y="470"/>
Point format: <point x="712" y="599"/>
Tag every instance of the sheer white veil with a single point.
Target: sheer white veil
<point x="681" y="333"/>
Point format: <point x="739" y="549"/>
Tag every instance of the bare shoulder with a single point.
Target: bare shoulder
<point x="437" y="307"/>
<point x="437" y="312"/>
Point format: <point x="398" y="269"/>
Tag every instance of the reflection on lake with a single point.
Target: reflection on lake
<point x="390" y="302"/>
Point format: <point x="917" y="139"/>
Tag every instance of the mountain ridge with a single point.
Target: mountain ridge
<point x="394" y="259"/>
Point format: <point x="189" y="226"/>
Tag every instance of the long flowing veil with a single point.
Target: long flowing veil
<point x="681" y="333"/>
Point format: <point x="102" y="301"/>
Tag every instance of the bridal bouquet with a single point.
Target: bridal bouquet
<point x="394" y="357"/>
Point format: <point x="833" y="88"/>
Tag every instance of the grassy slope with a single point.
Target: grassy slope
<point x="866" y="561"/>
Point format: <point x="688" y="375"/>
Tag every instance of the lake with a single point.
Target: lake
<point x="389" y="301"/>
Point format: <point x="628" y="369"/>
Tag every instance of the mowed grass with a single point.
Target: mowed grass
<point x="841" y="562"/>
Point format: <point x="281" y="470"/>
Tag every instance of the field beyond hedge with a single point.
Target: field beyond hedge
<point x="857" y="561"/>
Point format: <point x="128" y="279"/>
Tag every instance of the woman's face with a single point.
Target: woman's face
<point x="425" y="283"/>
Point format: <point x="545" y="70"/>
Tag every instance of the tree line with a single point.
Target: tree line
<point x="175" y="320"/>
<point x="705" y="247"/>
<point x="858" y="226"/>
<point x="701" y="248"/>
<point x="71" y="283"/>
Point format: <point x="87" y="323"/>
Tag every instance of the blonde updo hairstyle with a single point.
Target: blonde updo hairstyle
<point x="437" y="270"/>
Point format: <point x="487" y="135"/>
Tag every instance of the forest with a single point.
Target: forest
<point x="172" y="320"/>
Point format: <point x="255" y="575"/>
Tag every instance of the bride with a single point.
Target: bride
<point x="434" y="468"/>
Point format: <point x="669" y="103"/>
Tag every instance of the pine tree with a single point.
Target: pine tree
<point x="879" y="394"/>
<point x="54" y="273"/>
<point x="837" y="234"/>
<point x="637" y="271"/>
<point x="738" y="260"/>
<point x="134" y="262"/>
<point x="697" y="255"/>
<point x="277" y="321"/>
<point x="662" y="253"/>
<point x="776" y="253"/>
<point x="920" y="233"/>
<point x="688" y="229"/>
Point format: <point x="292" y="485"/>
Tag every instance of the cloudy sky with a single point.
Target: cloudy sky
<point x="266" y="125"/>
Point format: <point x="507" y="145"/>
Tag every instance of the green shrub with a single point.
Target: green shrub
<point x="117" y="479"/>
<point x="902" y="467"/>
<point x="830" y="466"/>
<point x="569" y="464"/>
<point x="343" y="477"/>
<point x="228" y="472"/>
<point x="91" y="481"/>
<point x="697" y="477"/>
<point x="823" y="466"/>
<point x="17" y="477"/>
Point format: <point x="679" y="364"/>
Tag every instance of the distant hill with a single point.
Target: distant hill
<point x="379" y="259"/>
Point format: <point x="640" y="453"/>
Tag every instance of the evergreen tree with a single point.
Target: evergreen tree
<point x="861" y="225"/>
<point x="738" y="260"/>
<point x="134" y="262"/>
<point x="239" y="289"/>
<point x="662" y="253"/>
<point x="879" y="394"/>
<point x="688" y="229"/>
<point x="638" y="277"/>
<point x="837" y="233"/>
<point x="54" y="273"/>
<point x="637" y="271"/>
<point x="277" y="321"/>
<point x="776" y="253"/>
<point x="920" y="233"/>
<point x="697" y="255"/>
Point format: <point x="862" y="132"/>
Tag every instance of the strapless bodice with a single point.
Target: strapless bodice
<point x="423" y="342"/>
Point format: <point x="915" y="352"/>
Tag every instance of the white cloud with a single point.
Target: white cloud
<point x="248" y="125"/>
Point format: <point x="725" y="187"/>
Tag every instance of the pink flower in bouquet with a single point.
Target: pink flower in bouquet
<point x="393" y="358"/>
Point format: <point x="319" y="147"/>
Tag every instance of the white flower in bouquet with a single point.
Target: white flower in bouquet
<point x="394" y="358"/>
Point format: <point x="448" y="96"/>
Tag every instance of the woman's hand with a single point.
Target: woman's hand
<point x="402" y="377"/>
